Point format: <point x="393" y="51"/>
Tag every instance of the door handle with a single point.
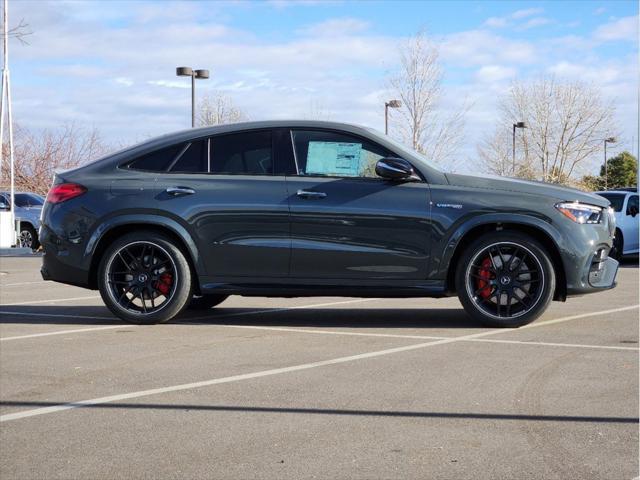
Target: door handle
<point x="308" y="194"/>
<point x="175" y="191"/>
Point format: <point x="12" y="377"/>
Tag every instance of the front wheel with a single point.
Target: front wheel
<point x="144" y="278"/>
<point x="505" y="279"/>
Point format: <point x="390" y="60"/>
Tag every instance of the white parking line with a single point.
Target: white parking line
<point x="22" y="283"/>
<point x="92" y="329"/>
<point x="278" y="371"/>
<point x="55" y="300"/>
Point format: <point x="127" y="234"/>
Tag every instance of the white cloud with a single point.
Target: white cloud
<point x="478" y="47"/>
<point x="495" y="73"/>
<point x="528" y="12"/>
<point x="496" y="22"/>
<point x="536" y="22"/>
<point x="625" y="28"/>
<point x="336" y="27"/>
<point x="126" y="81"/>
<point x="599" y="11"/>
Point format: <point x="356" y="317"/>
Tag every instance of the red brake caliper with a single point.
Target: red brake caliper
<point x="483" y="282"/>
<point x="164" y="283"/>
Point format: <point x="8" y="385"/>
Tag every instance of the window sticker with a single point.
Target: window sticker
<point x="333" y="159"/>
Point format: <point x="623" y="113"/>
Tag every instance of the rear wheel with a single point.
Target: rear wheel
<point x="28" y="236"/>
<point x="505" y="279"/>
<point x="144" y="278"/>
<point x="204" y="302"/>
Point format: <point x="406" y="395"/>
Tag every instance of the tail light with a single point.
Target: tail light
<point x="64" y="191"/>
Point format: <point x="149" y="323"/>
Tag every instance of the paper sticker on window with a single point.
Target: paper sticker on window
<point x="333" y="158"/>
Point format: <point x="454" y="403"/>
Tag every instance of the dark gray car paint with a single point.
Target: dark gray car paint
<point x="253" y="235"/>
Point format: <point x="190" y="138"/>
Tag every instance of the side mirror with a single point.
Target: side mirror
<point x="395" y="169"/>
<point x="632" y="210"/>
<point x="4" y="206"/>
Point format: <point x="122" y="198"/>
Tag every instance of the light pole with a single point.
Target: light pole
<point x="387" y="106"/>
<point x="199" y="74"/>
<point x="606" y="167"/>
<point x="516" y="125"/>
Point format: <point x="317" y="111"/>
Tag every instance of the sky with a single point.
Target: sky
<point x="110" y="65"/>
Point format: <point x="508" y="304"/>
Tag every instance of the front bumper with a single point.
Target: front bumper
<point x="597" y="273"/>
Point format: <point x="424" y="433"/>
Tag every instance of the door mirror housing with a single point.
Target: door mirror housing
<point x="393" y="168"/>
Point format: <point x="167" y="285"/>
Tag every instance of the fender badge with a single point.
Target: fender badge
<point x="457" y="206"/>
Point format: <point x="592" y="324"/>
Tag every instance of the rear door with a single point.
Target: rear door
<point x="348" y="223"/>
<point x="235" y="206"/>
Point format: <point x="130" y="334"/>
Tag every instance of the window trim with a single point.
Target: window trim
<point x="354" y="135"/>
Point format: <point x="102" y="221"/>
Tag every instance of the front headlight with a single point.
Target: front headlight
<point x="580" y="213"/>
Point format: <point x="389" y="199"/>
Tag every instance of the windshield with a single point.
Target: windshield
<point x="616" y="199"/>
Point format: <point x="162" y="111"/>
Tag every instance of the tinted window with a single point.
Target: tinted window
<point x="157" y="161"/>
<point x="633" y="202"/>
<point x="242" y="154"/>
<point x="333" y="154"/>
<point x="193" y="159"/>
<point x="23" y="200"/>
<point x="616" y="199"/>
<point x="35" y="200"/>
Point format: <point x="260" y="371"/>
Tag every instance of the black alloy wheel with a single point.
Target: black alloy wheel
<point x="145" y="278"/>
<point x="505" y="280"/>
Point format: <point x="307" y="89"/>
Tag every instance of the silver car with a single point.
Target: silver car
<point x="28" y="208"/>
<point x="624" y="202"/>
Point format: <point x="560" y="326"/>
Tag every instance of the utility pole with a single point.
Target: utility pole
<point x="5" y="105"/>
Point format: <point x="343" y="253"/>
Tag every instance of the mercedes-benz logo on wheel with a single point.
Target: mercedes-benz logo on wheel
<point x="505" y="280"/>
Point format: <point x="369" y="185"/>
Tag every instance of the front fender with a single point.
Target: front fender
<point x="145" y="219"/>
<point x="450" y="241"/>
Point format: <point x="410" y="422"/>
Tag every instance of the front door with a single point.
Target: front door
<point x="348" y="223"/>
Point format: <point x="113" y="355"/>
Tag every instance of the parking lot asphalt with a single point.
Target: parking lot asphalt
<point x="315" y="388"/>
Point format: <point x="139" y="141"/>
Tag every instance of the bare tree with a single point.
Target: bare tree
<point x="217" y="109"/>
<point x="418" y="84"/>
<point x="566" y="123"/>
<point x="19" y="32"/>
<point x="39" y="155"/>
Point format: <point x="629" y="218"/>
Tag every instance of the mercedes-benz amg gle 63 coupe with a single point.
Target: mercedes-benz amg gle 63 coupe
<point x="309" y="208"/>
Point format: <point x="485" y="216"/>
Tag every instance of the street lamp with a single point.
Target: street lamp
<point x="606" y="167"/>
<point x="516" y="125"/>
<point x="387" y="106"/>
<point x="199" y="74"/>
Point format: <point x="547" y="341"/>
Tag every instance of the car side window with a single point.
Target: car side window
<point x="246" y="153"/>
<point x="21" y="200"/>
<point x="333" y="154"/>
<point x="632" y="205"/>
<point x="158" y="160"/>
<point x="192" y="159"/>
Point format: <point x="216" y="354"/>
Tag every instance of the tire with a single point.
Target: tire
<point x="505" y="279"/>
<point x="144" y="278"/>
<point x="28" y="237"/>
<point x="618" y="246"/>
<point x="206" y="302"/>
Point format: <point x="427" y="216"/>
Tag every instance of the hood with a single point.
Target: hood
<point x="492" y="182"/>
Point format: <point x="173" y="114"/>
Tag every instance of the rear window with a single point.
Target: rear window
<point x="247" y="153"/>
<point x="616" y="199"/>
<point x="193" y="159"/>
<point x="157" y="161"/>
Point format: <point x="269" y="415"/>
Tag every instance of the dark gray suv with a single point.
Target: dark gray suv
<point x="307" y="208"/>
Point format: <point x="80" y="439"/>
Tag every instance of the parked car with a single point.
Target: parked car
<point x="624" y="202"/>
<point x="309" y="208"/>
<point x="28" y="208"/>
